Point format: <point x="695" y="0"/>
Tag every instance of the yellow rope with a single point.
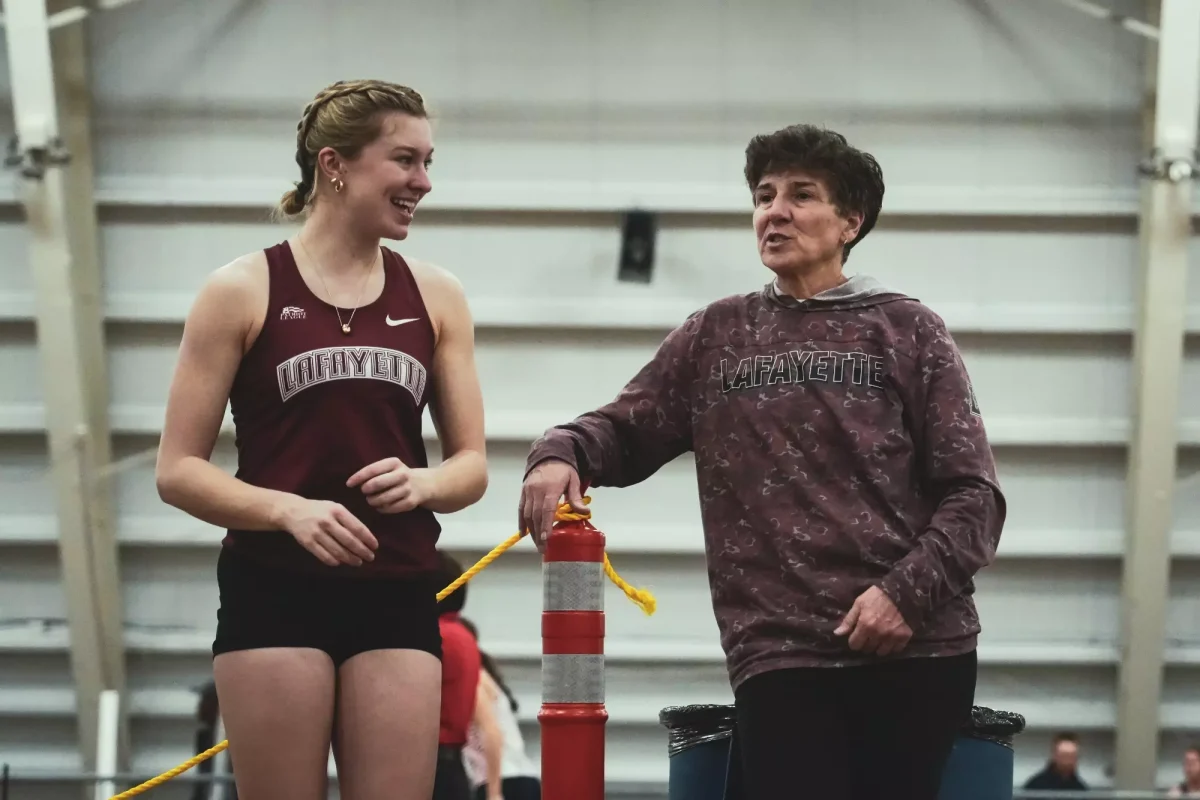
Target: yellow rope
<point x="479" y="566"/>
<point x="642" y="597"/>
<point x="644" y="600"/>
<point x="171" y="773"/>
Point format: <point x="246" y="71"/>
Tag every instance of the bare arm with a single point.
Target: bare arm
<point x="489" y="730"/>
<point x="457" y="400"/>
<point x="215" y="336"/>
<point x="456" y="403"/>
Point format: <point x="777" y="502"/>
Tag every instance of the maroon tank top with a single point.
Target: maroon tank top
<point x="312" y="405"/>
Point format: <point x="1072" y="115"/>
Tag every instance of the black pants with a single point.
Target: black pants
<point x="515" y="789"/>
<point x="450" y="781"/>
<point x="855" y="733"/>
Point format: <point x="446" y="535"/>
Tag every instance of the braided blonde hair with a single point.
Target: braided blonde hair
<point x="345" y="116"/>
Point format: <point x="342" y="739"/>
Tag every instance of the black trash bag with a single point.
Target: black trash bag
<point x="689" y="726"/>
<point x="994" y="726"/>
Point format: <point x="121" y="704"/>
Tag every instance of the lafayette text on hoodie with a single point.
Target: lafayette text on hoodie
<point x="838" y="445"/>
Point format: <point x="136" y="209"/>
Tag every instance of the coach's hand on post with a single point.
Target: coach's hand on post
<point x="392" y="487"/>
<point x="328" y="531"/>
<point x="544" y="487"/>
<point x="875" y="625"/>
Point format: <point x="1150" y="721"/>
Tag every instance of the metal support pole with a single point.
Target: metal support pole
<point x="52" y="156"/>
<point x="1158" y="362"/>
<point x="573" y="716"/>
<point x="1108" y="15"/>
<point x="73" y="90"/>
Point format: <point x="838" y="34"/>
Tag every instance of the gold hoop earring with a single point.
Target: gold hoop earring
<point x="337" y="184"/>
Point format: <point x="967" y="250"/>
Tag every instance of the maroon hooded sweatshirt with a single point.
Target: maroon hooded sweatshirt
<point x="838" y="446"/>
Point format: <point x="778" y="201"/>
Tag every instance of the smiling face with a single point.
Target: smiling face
<point x="388" y="178"/>
<point x="796" y="224"/>
<point x="364" y="148"/>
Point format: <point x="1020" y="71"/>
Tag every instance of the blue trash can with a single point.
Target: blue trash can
<point x="703" y="765"/>
<point x="698" y="748"/>
<point x="980" y="766"/>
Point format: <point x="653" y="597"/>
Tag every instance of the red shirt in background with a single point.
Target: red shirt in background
<point x="460" y="678"/>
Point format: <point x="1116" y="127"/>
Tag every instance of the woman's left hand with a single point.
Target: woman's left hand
<point x="875" y="624"/>
<point x="392" y="487"/>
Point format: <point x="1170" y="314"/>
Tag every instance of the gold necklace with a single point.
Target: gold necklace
<point x="345" y="325"/>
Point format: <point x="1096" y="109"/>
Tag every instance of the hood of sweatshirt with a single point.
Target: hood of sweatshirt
<point x="859" y="291"/>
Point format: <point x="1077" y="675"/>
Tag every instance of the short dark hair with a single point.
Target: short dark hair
<point x="1066" y="736"/>
<point x="853" y="177"/>
<point x="447" y="572"/>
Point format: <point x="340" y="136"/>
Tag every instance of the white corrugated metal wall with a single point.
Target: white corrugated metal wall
<point x="1008" y="131"/>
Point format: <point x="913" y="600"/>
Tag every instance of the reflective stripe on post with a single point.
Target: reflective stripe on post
<point x="573" y="716"/>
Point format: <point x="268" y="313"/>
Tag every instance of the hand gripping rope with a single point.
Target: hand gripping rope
<point x="584" y="714"/>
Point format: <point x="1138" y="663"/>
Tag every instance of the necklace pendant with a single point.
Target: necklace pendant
<point x="346" y="328"/>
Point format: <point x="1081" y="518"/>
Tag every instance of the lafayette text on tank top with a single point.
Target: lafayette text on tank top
<point x="312" y="405"/>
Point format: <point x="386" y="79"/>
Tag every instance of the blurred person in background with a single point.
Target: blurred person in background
<point x="329" y="347"/>
<point x="208" y="715"/>
<point x="1190" y="785"/>
<point x="460" y="682"/>
<point x="1061" y="772"/>
<point x="497" y="764"/>
<point x="847" y="488"/>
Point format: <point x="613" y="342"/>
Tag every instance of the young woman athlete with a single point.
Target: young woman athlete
<point x="328" y="348"/>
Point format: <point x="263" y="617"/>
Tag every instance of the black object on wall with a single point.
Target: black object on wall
<point x="637" y="247"/>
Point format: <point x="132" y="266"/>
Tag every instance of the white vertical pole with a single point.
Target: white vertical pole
<point x="52" y="167"/>
<point x="1158" y="362"/>
<point x="108" y="743"/>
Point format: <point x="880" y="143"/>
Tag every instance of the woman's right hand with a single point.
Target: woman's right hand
<point x="329" y="532"/>
<point x="547" y="483"/>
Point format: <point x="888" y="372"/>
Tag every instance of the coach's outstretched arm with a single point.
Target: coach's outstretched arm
<point x="647" y="425"/>
<point x="959" y="473"/>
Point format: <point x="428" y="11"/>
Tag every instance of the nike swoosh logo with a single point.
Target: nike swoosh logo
<point x="393" y="322"/>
